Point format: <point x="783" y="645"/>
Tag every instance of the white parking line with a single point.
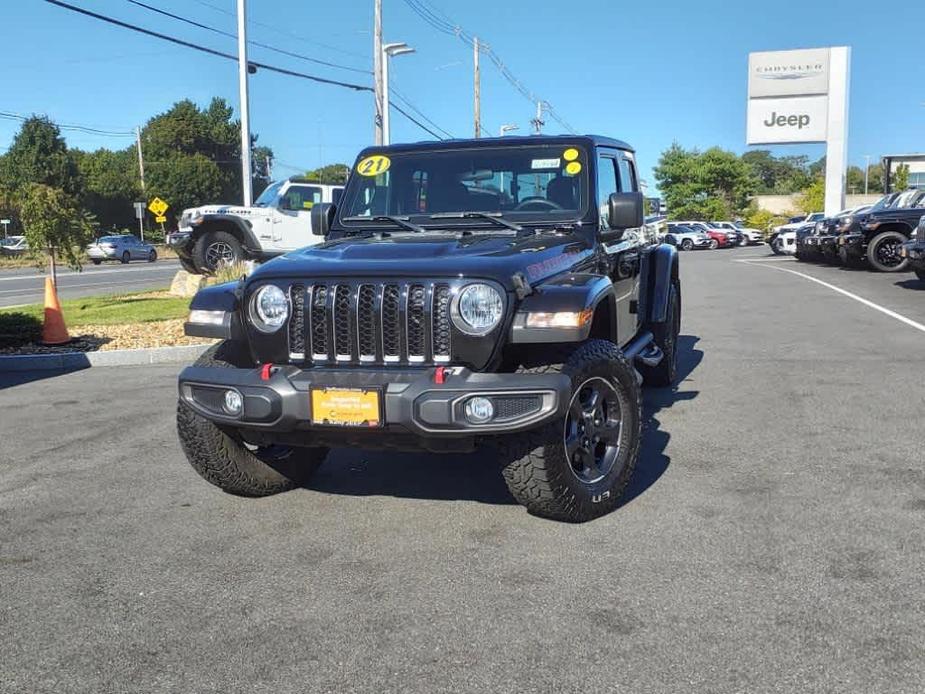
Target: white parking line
<point x="860" y="299"/>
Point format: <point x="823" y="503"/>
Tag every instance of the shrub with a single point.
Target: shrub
<point x="18" y="329"/>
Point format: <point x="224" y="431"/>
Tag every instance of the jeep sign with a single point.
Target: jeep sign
<point x="781" y="121"/>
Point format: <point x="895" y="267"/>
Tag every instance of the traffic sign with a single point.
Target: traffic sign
<point x="4" y="221"/>
<point x="160" y="219"/>
<point x="158" y="207"/>
<point x="140" y="210"/>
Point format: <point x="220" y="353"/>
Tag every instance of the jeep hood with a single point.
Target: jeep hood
<point x="436" y="254"/>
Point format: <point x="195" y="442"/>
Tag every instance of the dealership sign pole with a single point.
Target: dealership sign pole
<point x="802" y="96"/>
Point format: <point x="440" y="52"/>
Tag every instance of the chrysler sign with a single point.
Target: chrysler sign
<point x="788" y="73"/>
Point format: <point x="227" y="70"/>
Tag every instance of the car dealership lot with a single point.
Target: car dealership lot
<point x="771" y="540"/>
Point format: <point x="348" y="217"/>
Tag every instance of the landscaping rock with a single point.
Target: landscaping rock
<point x="186" y="284"/>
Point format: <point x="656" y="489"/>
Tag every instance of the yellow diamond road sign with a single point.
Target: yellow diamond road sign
<point x="158" y="207"/>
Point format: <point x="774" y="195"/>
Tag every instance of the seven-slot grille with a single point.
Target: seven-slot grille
<point x="359" y="322"/>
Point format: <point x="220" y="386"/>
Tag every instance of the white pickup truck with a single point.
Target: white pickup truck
<point x="279" y="221"/>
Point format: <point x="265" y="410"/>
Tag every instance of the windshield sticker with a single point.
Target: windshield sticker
<point x="573" y="168"/>
<point x="374" y="165"/>
<point x="308" y="204"/>
<point x="545" y="164"/>
<point x="571" y="154"/>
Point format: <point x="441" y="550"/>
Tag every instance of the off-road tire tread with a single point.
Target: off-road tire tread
<point x="199" y="248"/>
<point x="533" y="479"/>
<point x="872" y="255"/>
<point x="662" y="374"/>
<point x="222" y="460"/>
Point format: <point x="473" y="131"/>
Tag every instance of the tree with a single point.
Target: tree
<point x="330" y="173"/>
<point x="111" y="185"/>
<point x="39" y="155"/>
<point x="777" y="175"/>
<point x="715" y="184"/>
<point x="54" y="222"/>
<point x="901" y="177"/>
<point x="812" y="198"/>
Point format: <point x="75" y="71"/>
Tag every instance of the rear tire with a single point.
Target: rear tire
<point x="666" y="334"/>
<point x="883" y="252"/>
<point x="576" y="468"/>
<point x="222" y="458"/>
<point x="152" y="256"/>
<point x="96" y="262"/>
<point x="214" y="249"/>
<point x="126" y="256"/>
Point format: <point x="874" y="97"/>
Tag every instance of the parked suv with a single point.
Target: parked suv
<point x="747" y="237"/>
<point x="279" y="221"/>
<point x="914" y="250"/>
<point x="879" y="234"/>
<point x="687" y="239"/>
<point x="783" y="237"/>
<point x="471" y="291"/>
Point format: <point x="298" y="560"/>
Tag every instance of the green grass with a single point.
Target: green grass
<point x="114" y="310"/>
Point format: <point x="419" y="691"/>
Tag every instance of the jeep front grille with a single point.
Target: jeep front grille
<point x="362" y="322"/>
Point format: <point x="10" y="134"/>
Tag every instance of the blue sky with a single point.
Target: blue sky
<point x="648" y="73"/>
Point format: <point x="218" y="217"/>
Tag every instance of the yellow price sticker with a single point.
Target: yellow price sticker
<point x="571" y="154"/>
<point x="572" y="168"/>
<point x="374" y="165"/>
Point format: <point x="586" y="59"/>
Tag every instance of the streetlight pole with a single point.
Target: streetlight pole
<point x="478" y="88"/>
<point x="866" y="172"/>
<point x="377" y="72"/>
<point x="389" y="50"/>
<point x="244" y="106"/>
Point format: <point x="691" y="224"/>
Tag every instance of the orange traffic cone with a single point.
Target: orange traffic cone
<point x="54" y="332"/>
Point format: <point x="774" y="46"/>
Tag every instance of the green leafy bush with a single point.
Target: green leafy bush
<point x="17" y="329"/>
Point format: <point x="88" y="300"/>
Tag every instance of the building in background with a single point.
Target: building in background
<point x="916" y="164"/>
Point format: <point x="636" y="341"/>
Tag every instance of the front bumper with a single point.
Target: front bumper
<point x="854" y="244"/>
<point x="914" y="250"/>
<point x="411" y="401"/>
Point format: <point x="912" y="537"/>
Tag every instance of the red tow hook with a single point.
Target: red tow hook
<point x="266" y="372"/>
<point x="440" y="375"/>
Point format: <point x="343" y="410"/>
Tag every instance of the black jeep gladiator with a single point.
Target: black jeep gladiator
<point x="878" y="235"/>
<point x="914" y="250"/>
<point x="467" y="292"/>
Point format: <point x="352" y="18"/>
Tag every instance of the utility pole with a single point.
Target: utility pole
<point x="538" y="122"/>
<point x="141" y="174"/>
<point x="269" y="169"/>
<point x="377" y="74"/>
<point x="478" y="88"/>
<point x="244" y="106"/>
<point x="866" y="172"/>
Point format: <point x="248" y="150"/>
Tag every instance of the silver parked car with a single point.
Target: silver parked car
<point x="13" y="245"/>
<point x="687" y="239"/>
<point x="123" y="247"/>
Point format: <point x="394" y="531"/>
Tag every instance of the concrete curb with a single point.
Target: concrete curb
<point x="84" y="360"/>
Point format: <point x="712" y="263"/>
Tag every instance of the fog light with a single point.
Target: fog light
<point x="234" y="404"/>
<point x="479" y="410"/>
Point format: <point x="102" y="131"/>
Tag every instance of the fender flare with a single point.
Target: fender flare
<point x="221" y="298"/>
<point x="240" y="228"/>
<point x="659" y="270"/>
<point x="577" y="293"/>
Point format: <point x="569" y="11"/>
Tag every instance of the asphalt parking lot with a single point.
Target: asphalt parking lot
<point x="26" y="286"/>
<point x="771" y="541"/>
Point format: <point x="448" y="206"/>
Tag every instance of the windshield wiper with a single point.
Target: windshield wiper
<point x="397" y="221"/>
<point x="490" y="216"/>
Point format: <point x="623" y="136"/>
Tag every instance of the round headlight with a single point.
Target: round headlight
<point x="269" y="308"/>
<point x="478" y="309"/>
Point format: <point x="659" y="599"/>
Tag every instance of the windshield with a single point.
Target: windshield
<point x="269" y="195"/>
<point x="535" y="183"/>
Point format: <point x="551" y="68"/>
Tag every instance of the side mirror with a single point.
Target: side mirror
<point x="625" y="211"/>
<point x="322" y="215"/>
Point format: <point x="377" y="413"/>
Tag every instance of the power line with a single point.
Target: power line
<point x="282" y="32"/>
<point x="407" y="102"/>
<point x="203" y="49"/>
<point x="64" y="126"/>
<point x="252" y="43"/>
<point x="444" y="24"/>
<point x="228" y="56"/>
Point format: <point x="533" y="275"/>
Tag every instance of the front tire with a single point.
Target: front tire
<point x="714" y="244"/>
<point x="883" y="252"/>
<point x="920" y="274"/>
<point x="223" y="458"/>
<point x="214" y="249"/>
<point x="777" y="247"/>
<point x="576" y="468"/>
<point x="152" y="256"/>
<point x="96" y="262"/>
<point x="686" y="244"/>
